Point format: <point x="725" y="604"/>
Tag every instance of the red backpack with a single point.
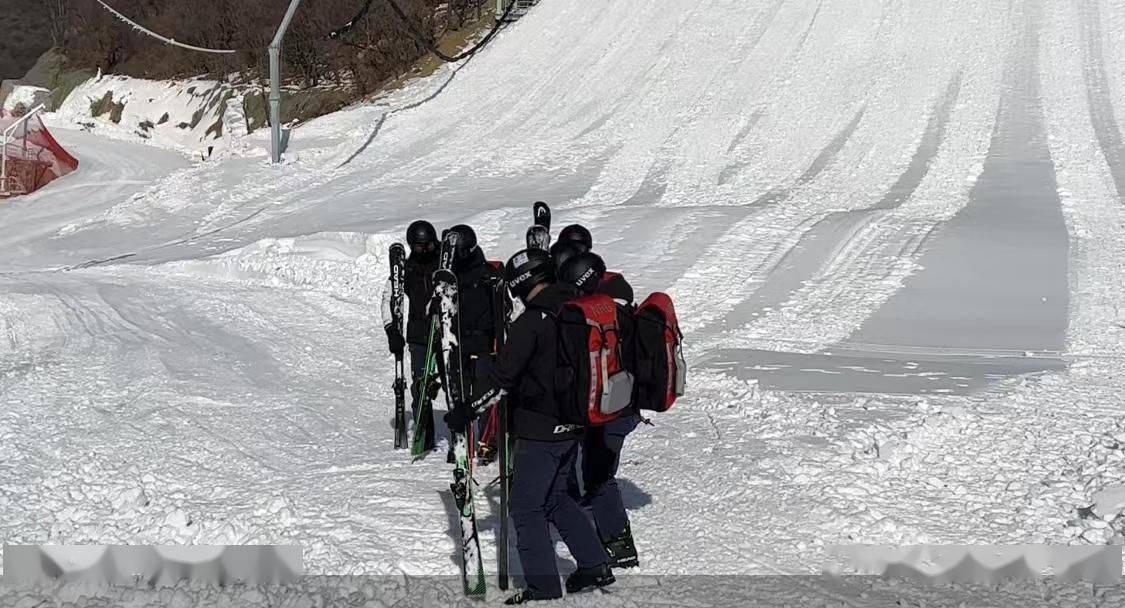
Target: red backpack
<point x="656" y="357"/>
<point x="593" y="385"/>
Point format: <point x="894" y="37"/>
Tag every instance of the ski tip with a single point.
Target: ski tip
<point x="479" y="592"/>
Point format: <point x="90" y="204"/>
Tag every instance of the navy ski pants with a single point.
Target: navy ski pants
<point x="601" y="456"/>
<point x="539" y="498"/>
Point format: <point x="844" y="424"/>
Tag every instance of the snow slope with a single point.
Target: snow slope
<point x="197" y="358"/>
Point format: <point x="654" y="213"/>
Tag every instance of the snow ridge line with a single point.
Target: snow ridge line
<point x="654" y="186"/>
<point x="850" y="258"/>
<point x="1018" y="178"/>
<point x="771" y="200"/>
<point x="809" y="29"/>
<point x="410" y="106"/>
<point x="181" y="241"/>
<point x="1101" y="109"/>
<point x="1091" y="208"/>
<point x="821" y="162"/>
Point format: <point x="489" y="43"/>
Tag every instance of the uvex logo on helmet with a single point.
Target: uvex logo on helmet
<point x="586" y="276"/>
<point x="520" y="279"/>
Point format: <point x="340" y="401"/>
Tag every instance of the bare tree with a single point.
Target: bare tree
<point x="379" y="48"/>
<point x="59" y="12"/>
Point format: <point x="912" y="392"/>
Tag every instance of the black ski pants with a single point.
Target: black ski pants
<point x="539" y="498"/>
<point x="601" y="456"/>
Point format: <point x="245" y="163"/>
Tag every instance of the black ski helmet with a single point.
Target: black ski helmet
<point x="562" y="251"/>
<point x="527" y="269"/>
<point x="466" y="241"/>
<point x="584" y="271"/>
<point x="577" y="233"/>
<point x="421" y="232"/>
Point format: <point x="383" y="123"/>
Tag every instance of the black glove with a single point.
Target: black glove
<point x="434" y="306"/>
<point x="395" y="341"/>
<point x="458" y="419"/>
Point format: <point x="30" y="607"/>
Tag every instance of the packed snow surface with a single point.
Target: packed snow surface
<point x="893" y="232"/>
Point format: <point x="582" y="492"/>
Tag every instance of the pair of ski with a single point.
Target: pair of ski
<point x="422" y="403"/>
<point x="443" y="320"/>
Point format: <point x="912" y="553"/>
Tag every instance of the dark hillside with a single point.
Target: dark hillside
<point x="94" y="39"/>
<point x="27" y="34"/>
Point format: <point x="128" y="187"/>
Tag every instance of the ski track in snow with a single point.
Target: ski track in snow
<point x="192" y="354"/>
<point x="1102" y="112"/>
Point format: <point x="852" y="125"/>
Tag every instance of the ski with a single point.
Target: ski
<point x="539" y="233"/>
<point x="502" y="306"/>
<point x="423" y="405"/>
<point x="505" y="459"/>
<point x="538" y="238"/>
<point x="542" y="215"/>
<point x="398" y="277"/>
<point x="445" y="292"/>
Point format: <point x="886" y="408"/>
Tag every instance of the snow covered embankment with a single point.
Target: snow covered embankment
<point x="350" y="266"/>
<point x="22" y="99"/>
<point x="198" y="117"/>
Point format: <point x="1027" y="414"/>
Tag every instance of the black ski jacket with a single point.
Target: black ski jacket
<point x="525" y="370"/>
<point x="476" y="319"/>
<point x="419" y="290"/>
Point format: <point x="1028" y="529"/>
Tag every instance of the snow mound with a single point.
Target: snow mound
<point x="24" y="98"/>
<point x="189" y="116"/>
<point x="349" y="265"/>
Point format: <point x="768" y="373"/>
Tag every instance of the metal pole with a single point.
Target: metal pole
<point x="275" y="82"/>
<point x="275" y="104"/>
<point x="4" y="163"/>
<point x="5" y="140"/>
<point x="503" y="456"/>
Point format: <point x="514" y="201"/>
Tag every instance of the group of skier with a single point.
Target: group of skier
<point x="562" y="472"/>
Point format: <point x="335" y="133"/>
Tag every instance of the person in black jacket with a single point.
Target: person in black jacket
<point x="546" y="446"/>
<point x="476" y="317"/>
<point x="602" y="445"/>
<point x="562" y="251"/>
<point x="419" y="288"/>
<point x="577" y="233"/>
<point x="574" y="240"/>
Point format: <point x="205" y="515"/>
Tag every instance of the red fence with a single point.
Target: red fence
<point x="33" y="158"/>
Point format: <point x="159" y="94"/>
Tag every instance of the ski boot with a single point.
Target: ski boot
<point x="486" y="454"/>
<point x="621" y="550"/>
<point x="527" y="595"/>
<point x="589" y="578"/>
